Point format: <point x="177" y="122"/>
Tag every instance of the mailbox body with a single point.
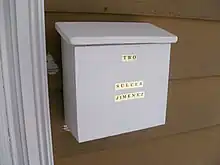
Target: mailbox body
<point x="114" y="82"/>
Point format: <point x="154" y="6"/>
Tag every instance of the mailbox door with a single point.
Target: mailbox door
<point x="99" y="68"/>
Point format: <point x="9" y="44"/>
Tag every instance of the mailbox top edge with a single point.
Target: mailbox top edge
<point x="92" y="33"/>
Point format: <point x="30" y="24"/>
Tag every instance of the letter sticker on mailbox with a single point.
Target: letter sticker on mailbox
<point x="129" y="58"/>
<point x="129" y="85"/>
<point x="129" y="96"/>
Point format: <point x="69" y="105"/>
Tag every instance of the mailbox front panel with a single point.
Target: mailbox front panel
<point x="120" y="88"/>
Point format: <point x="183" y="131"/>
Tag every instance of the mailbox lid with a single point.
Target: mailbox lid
<point x="99" y="33"/>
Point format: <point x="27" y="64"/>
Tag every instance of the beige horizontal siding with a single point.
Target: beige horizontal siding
<point x="202" y="9"/>
<point x="191" y="134"/>
<point x="196" y="54"/>
<point x="192" y="105"/>
<point x="194" y="148"/>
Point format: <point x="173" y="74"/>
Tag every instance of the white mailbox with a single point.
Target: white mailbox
<point x="115" y="77"/>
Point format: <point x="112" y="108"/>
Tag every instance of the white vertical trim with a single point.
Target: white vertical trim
<point x="12" y="106"/>
<point x="25" y="82"/>
<point x="5" y="150"/>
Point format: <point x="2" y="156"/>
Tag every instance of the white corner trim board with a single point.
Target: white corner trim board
<point x="5" y="151"/>
<point x="26" y="136"/>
